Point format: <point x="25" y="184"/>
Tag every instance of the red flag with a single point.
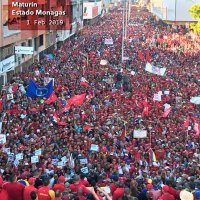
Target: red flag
<point x="57" y="120"/>
<point x="123" y="135"/>
<point x="167" y="111"/>
<point x="84" y="82"/>
<point x="67" y="107"/>
<point x="146" y="107"/>
<point x="148" y="59"/>
<point x="186" y="123"/>
<point x="52" y="98"/>
<point x="140" y="55"/>
<point x="197" y="128"/>
<point x="77" y="99"/>
<point x="87" y="127"/>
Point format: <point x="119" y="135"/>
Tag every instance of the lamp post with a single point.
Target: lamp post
<point x="123" y="28"/>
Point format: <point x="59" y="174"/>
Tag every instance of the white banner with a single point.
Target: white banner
<point x="155" y="70"/>
<point x="195" y="100"/>
<point x="19" y="156"/>
<point x="83" y="161"/>
<point x="7" y="64"/>
<point x="84" y="170"/>
<point x="157" y="97"/>
<point x="108" y="41"/>
<point x="38" y="152"/>
<point x="34" y="159"/>
<point x="2" y="138"/>
<point x="24" y="50"/>
<point x="94" y="147"/>
<point x="140" y="133"/>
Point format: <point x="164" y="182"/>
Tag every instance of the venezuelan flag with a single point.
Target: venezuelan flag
<point x="152" y="156"/>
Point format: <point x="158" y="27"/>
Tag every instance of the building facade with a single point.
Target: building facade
<point x="42" y="41"/>
<point x="173" y="11"/>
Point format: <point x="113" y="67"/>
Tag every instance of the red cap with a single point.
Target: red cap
<point x="61" y="178"/>
<point x="165" y="188"/>
<point x="149" y="186"/>
<point x="31" y="180"/>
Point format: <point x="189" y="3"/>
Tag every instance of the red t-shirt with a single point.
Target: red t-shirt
<point x="27" y="192"/>
<point x="119" y="192"/>
<point x="75" y="187"/>
<point x="167" y="197"/>
<point x="15" y="190"/>
<point x="3" y="194"/>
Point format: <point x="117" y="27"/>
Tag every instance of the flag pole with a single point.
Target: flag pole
<point x="123" y="30"/>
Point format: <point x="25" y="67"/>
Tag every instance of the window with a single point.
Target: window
<point x="41" y="42"/>
<point x="30" y="43"/>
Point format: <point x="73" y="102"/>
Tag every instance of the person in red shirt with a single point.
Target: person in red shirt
<point x="83" y="181"/>
<point x="44" y="192"/>
<point x="166" y="195"/>
<point x="3" y="193"/>
<point x="29" y="189"/>
<point x="119" y="192"/>
<point x="14" y="189"/>
<point x="74" y="187"/>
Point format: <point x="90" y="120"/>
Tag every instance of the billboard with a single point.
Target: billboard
<point x="23" y="50"/>
<point x="7" y="64"/>
<point x="91" y="9"/>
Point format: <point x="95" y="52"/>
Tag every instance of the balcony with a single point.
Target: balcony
<point x="8" y="33"/>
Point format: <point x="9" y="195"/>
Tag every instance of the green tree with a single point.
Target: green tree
<point x="195" y="12"/>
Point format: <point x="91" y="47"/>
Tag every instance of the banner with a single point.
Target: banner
<point x="48" y="79"/>
<point x="155" y="70"/>
<point x="7" y="65"/>
<point x="24" y="50"/>
<point x="85" y="170"/>
<point x="108" y="41"/>
<point x="36" y="91"/>
<point x="83" y="161"/>
<point x="139" y="133"/>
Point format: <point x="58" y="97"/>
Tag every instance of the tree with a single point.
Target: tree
<point x="195" y="12"/>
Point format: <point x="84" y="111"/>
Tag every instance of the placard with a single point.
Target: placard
<point x="139" y="133"/>
<point x="9" y="97"/>
<point x="38" y="152"/>
<point x="6" y="150"/>
<point x="11" y="157"/>
<point x="1" y="126"/>
<point x="106" y="189"/>
<point x="47" y="80"/>
<point x="19" y="156"/>
<point x="157" y="97"/>
<point x="64" y="159"/>
<point x="108" y="41"/>
<point x="61" y="163"/>
<point x="85" y="170"/>
<point x="2" y="138"/>
<point x="55" y="162"/>
<point x="34" y="159"/>
<point x="94" y="147"/>
<point x="83" y="161"/>
<point x="195" y="100"/>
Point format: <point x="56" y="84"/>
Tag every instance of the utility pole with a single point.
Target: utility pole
<point x="126" y="23"/>
<point x="123" y="29"/>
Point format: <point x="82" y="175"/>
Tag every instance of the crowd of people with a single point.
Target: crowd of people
<point x="95" y="152"/>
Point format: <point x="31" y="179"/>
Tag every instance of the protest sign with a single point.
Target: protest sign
<point x="85" y="170"/>
<point x="2" y="138"/>
<point x="195" y="100"/>
<point x="139" y="133"/>
<point x="61" y="163"/>
<point x="108" y="41"/>
<point x="103" y="62"/>
<point x="157" y="97"/>
<point x="19" y="156"/>
<point x="6" y="150"/>
<point x="55" y="162"/>
<point x="34" y="159"/>
<point x="38" y="152"/>
<point x="0" y="127"/>
<point x="11" y="157"/>
<point x="47" y="80"/>
<point x="94" y="147"/>
<point x="9" y="97"/>
<point x="83" y="161"/>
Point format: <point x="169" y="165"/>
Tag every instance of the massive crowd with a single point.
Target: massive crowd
<point x="119" y="99"/>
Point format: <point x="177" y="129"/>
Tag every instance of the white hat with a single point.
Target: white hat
<point x="185" y="195"/>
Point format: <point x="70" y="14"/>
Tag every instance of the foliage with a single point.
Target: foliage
<point x="195" y="12"/>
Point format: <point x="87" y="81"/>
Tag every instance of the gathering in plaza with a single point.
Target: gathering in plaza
<point x="86" y="123"/>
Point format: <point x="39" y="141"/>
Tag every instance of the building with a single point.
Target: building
<point x="173" y="11"/>
<point x="42" y="41"/>
<point x="92" y="10"/>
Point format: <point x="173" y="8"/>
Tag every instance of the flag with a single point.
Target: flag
<point x="56" y="119"/>
<point x="167" y="111"/>
<point x="152" y="156"/>
<point x="84" y="82"/>
<point x="148" y="59"/>
<point x="77" y="99"/>
<point x="1" y="104"/>
<point x="197" y="128"/>
<point x="36" y="91"/>
<point x="89" y="97"/>
<point x="52" y="98"/>
<point x="146" y="107"/>
<point x="87" y="127"/>
<point x="123" y="135"/>
<point x="186" y="123"/>
<point x="140" y="55"/>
